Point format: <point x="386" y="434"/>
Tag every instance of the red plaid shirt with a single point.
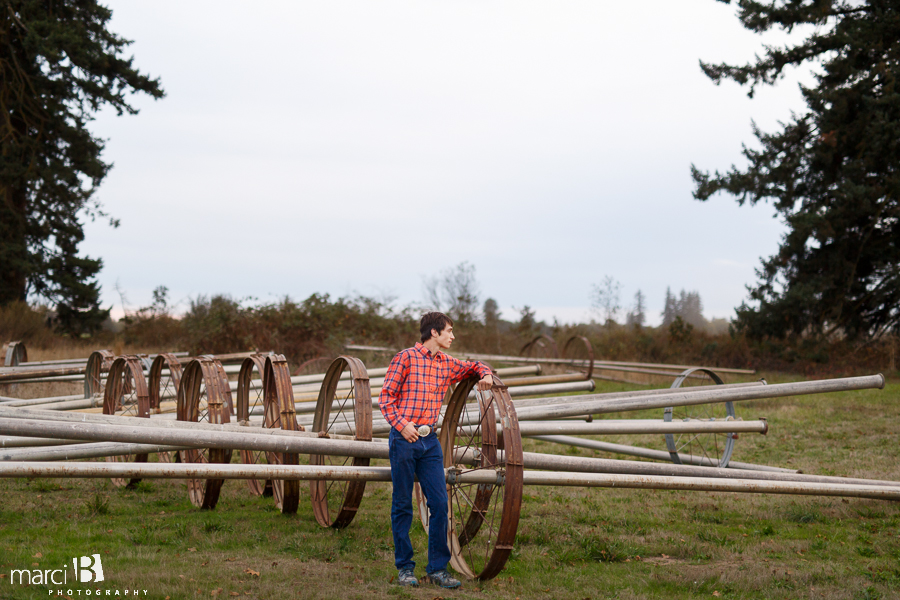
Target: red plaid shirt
<point x="416" y="382"/>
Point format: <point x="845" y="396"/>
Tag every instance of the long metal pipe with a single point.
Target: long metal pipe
<point x="486" y="477"/>
<point x="704" y="395"/>
<point x="701" y="461"/>
<point x="640" y="426"/>
<point x="597" y="363"/>
<point x="254" y="440"/>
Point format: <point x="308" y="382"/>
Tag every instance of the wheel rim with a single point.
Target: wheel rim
<point x="126" y="395"/>
<point x="164" y="388"/>
<point x="94" y="373"/>
<point x="335" y="503"/>
<point x="583" y="351"/>
<point x="708" y="449"/>
<point x="211" y="404"/>
<point x="251" y="394"/>
<point x="278" y="402"/>
<point x="483" y="519"/>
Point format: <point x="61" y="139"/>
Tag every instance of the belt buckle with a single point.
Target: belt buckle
<point x="424" y="430"/>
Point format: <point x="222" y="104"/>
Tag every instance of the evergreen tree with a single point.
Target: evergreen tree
<point x="58" y="66"/>
<point x="832" y="172"/>
<point x="637" y="316"/>
<point x="670" y="308"/>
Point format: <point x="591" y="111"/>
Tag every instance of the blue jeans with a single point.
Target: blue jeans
<point x="425" y="460"/>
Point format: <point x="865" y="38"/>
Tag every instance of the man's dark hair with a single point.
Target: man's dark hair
<point x="433" y="320"/>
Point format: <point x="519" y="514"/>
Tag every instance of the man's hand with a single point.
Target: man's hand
<point x="409" y="432"/>
<point x="485" y="383"/>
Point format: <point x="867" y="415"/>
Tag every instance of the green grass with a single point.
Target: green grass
<point x="572" y="542"/>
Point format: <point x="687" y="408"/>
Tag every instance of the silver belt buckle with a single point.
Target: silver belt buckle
<point x="424" y="430"/>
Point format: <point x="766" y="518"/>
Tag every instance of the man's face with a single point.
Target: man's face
<point x="444" y="338"/>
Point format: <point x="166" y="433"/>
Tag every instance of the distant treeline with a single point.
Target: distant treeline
<point x="321" y="326"/>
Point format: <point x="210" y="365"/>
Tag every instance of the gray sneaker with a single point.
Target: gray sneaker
<point x="407" y="577"/>
<point x="444" y="579"/>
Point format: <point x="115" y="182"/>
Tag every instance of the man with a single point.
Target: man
<point x="414" y="387"/>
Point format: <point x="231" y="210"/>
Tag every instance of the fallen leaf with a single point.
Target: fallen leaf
<point x="216" y="592"/>
<point x="716" y="593"/>
<point x="109" y="531"/>
<point x="234" y="594"/>
<point x="274" y="564"/>
<point x="182" y="576"/>
<point x="230" y="559"/>
<point x="35" y="564"/>
<point x="251" y="572"/>
<point x="204" y="564"/>
<point x="192" y="549"/>
<point x="38" y="555"/>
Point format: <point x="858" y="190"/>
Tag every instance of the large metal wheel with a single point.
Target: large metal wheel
<point x="484" y="455"/>
<point x="349" y="410"/>
<point x="95" y="373"/>
<point x="251" y="395"/>
<point x="543" y="346"/>
<point x="706" y="449"/>
<point x="483" y="517"/>
<point x="164" y="388"/>
<point x="278" y="402"/>
<point x="126" y="395"/>
<point x="579" y="348"/>
<point x="14" y="353"/>
<point x="204" y="397"/>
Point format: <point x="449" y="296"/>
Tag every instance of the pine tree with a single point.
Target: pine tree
<point x="670" y="308"/>
<point x="59" y="64"/>
<point x="832" y="172"/>
<point x="637" y="315"/>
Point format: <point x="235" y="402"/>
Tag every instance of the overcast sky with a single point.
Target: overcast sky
<point x="359" y="147"/>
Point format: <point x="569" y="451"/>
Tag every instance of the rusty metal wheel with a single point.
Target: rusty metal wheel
<point x="164" y="388"/>
<point x="95" y="373"/>
<point x="204" y="397"/>
<point x="251" y="399"/>
<point x="483" y="517"/>
<point x="579" y="348"/>
<point x="14" y="353"/>
<point x="711" y="449"/>
<point x="483" y="456"/>
<point x="126" y="395"/>
<point x="543" y="346"/>
<point x="344" y="410"/>
<point x="278" y="404"/>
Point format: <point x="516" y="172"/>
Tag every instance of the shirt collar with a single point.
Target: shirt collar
<point x="421" y="348"/>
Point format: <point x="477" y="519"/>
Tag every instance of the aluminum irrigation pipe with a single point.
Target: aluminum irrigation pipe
<point x="62" y="417"/>
<point x="639" y="426"/>
<point x="653" y="454"/>
<point x="597" y="363"/>
<point x="583" y="464"/>
<point x="705" y="395"/>
<point x="30" y="442"/>
<point x="253" y="440"/>
<point x="486" y="477"/>
<point x="83" y="451"/>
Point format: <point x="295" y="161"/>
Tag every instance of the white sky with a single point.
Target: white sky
<point x="358" y="147"/>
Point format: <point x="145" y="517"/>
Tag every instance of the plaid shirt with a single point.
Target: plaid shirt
<point x="416" y="382"/>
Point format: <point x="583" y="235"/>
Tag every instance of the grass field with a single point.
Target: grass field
<point x="572" y="542"/>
